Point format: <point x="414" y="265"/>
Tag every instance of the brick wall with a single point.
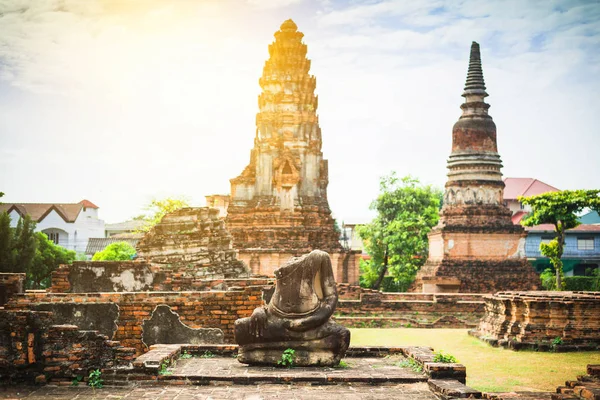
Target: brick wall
<point x="31" y="348"/>
<point x="359" y="307"/>
<point x="210" y="309"/>
<point x="129" y="276"/>
<point x="10" y="284"/>
<point x="536" y="319"/>
<point x="481" y="276"/>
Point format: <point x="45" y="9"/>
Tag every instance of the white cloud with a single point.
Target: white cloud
<point x="122" y="101"/>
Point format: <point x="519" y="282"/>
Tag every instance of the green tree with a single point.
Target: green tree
<point x="117" y="251"/>
<point x="48" y="256"/>
<point x="7" y="257"/>
<point x="559" y="209"/>
<point x="158" y="209"/>
<point x="24" y="244"/>
<point x="396" y="239"/>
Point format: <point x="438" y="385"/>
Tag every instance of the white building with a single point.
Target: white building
<point x="68" y="225"/>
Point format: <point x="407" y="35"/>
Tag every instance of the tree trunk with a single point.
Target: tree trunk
<point x="560" y="232"/>
<point x="379" y="280"/>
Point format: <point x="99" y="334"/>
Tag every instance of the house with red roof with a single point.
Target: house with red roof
<point x="515" y="187"/>
<point x="582" y="244"/>
<point x="69" y="225"/>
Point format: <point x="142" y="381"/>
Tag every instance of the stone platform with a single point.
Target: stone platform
<point x="227" y="369"/>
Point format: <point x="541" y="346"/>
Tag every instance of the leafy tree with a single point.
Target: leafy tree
<point x="7" y="257"/>
<point x="23" y="250"/>
<point x="117" y="251"/>
<point x="396" y="239"/>
<point x="24" y="245"/>
<point x="48" y="256"/>
<point x="559" y="209"/>
<point x="158" y="209"/>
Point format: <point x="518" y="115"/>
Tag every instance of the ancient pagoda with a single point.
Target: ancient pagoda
<point x="475" y="247"/>
<point x="279" y="204"/>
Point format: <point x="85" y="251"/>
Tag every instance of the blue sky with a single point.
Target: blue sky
<point x="122" y="101"/>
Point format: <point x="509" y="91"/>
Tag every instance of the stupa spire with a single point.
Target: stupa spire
<point x="475" y="84"/>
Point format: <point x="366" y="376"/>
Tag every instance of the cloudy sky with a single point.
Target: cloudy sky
<point x="121" y="101"/>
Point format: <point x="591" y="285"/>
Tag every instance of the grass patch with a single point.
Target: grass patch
<point x="489" y="369"/>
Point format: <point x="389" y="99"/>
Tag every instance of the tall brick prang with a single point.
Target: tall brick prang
<point x="475" y="247"/>
<point x="279" y="204"/>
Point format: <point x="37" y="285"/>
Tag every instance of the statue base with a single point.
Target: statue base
<point x="326" y="352"/>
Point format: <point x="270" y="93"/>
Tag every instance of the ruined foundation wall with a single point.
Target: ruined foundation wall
<point x="130" y="276"/>
<point x="359" y="307"/>
<point x="32" y="349"/>
<point x="531" y="319"/>
<point x="210" y="309"/>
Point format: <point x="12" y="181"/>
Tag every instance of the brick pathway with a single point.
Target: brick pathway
<point x="413" y="391"/>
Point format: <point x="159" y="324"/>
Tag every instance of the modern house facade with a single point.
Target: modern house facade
<point x="69" y="225"/>
<point x="582" y="244"/>
<point x="581" y="251"/>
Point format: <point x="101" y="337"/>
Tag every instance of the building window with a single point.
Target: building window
<point x="53" y="237"/>
<point x="585" y="244"/>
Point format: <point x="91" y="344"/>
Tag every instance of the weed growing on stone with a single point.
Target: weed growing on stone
<point x="76" y="380"/>
<point x="163" y="370"/>
<point x="342" y="364"/>
<point x="287" y="358"/>
<point x="185" y="355"/>
<point x="410" y="363"/>
<point x="95" y="380"/>
<point x="557" y="341"/>
<point x="207" y="354"/>
<point x="441" y="357"/>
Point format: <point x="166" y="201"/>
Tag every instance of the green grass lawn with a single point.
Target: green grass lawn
<point x="489" y="369"/>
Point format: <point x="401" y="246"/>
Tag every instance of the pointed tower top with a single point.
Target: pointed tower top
<point x="475" y="84"/>
<point x="289" y="26"/>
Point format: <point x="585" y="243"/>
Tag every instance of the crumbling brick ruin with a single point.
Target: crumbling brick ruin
<point x="193" y="238"/>
<point x="279" y="204"/>
<point x="475" y="247"/>
<point x="542" y="320"/>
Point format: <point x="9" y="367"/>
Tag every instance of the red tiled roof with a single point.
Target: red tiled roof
<point x="515" y="187"/>
<point x="518" y="216"/>
<point x="88" y="204"/>
<point x="39" y="211"/>
<point x="550" y="228"/>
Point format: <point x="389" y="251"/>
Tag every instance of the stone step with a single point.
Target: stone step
<point x="450" y="388"/>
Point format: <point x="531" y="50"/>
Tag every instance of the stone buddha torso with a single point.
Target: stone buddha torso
<point x="299" y="290"/>
<point x="297" y="317"/>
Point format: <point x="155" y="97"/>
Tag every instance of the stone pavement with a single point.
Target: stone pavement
<point x="413" y="391"/>
<point x="373" y="370"/>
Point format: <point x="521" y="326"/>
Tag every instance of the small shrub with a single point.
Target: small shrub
<point x="207" y="354"/>
<point x="76" y="380"/>
<point x="440" y="357"/>
<point x="557" y="341"/>
<point x="185" y="355"/>
<point x="95" y="380"/>
<point x="342" y="364"/>
<point x="410" y="363"/>
<point x="163" y="370"/>
<point x="287" y="358"/>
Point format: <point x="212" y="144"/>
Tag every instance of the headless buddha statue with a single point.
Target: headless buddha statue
<point x="297" y="317"/>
